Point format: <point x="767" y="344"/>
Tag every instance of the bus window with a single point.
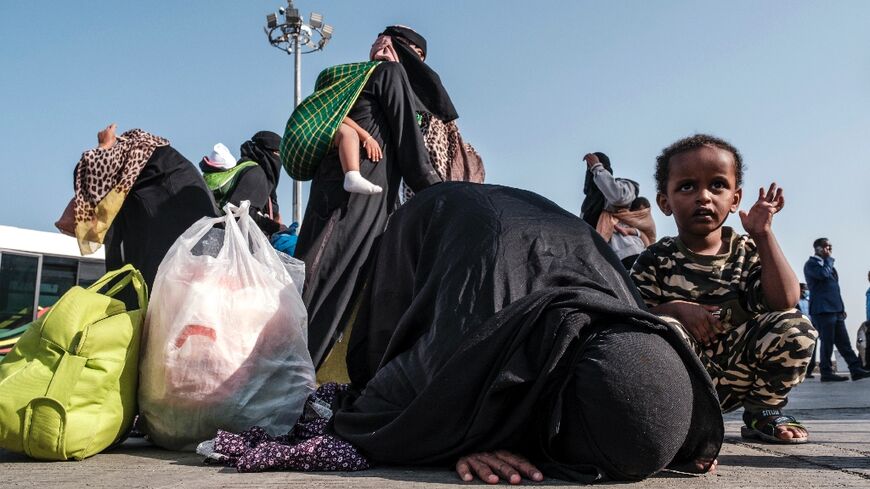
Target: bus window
<point x="58" y="276"/>
<point x="17" y="289"/>
<point x="90" y="272"/>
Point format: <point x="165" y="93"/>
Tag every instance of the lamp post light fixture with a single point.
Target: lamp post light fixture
<point x="289" y="32"/>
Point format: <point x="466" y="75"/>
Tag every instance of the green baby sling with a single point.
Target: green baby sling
<point x="311" y="127"/>
<point x="68" y="387"/>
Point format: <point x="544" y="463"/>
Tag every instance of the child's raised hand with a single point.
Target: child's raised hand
<point x="373" y="149"/>
<point x="757" y="222"/>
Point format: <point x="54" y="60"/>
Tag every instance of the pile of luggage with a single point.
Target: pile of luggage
<point x="222" y="343"/>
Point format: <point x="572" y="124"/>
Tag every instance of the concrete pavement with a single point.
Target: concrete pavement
<point x="837" y="415"/>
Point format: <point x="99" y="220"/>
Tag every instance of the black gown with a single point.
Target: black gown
<point x="169" y="195"/>
<point x="253" y="185"/>
<point x="478" y="301"/>
<point x="340" y="228"/>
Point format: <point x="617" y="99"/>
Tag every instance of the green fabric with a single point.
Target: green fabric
<point x="68" y="387"/>
<point x="222" y="183"/>
<point x="312" y="126"/>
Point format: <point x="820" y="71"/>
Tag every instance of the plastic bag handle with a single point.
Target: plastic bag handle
<point x="232" y="227"/>
<point x="237" y="211"/>
<point x="260" y="247"/>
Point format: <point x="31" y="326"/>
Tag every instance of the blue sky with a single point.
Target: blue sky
<point x="537" y="85"/>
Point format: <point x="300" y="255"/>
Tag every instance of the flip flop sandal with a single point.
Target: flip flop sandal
<point x="762" y="426"/>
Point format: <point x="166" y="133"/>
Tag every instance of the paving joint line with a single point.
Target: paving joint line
<point x="805" y="459"/>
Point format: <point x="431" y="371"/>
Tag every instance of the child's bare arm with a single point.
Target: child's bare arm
<point x="778" y="281"/>
<point x="362" y="133"/>
<point x="373" y="149"/>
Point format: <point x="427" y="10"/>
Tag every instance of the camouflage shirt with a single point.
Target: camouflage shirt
<point x="668" y="271"/>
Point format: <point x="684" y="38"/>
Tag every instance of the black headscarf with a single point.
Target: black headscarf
<point x="425" y="82"/>
<point x="594" y="202"/>
<point x="603" y="392"/>
<point x="262" y="149"/>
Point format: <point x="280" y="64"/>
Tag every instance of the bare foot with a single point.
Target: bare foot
<point x="789" y="432"/>
<point x="490" y="466"/>
<point x="106" y="138"/>
<point x="706" y="464"/>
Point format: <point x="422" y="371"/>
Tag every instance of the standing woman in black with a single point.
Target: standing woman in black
<point x="136" y="194"/>
<point x="254" y="178"/>
<point x="340" y="228"/>
<point x="260" y="184"/>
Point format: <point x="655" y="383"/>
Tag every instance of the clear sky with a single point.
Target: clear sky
<point x="536" y="84"/>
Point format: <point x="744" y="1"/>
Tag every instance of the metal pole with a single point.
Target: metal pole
<point x="297" y="97"/>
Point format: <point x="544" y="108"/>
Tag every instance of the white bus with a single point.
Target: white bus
<point x="36" y="268"/>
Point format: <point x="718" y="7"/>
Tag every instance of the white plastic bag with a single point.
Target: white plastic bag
<point x="225" y="340"/>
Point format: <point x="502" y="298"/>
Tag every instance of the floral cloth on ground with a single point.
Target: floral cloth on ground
<point x="307" y="448"/>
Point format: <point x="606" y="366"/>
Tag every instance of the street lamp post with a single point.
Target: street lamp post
<point x="295" y="36"/>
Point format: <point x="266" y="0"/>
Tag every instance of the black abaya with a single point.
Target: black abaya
<point x="340" y="228"/>
<point x="477" y="308"/>
<point x="169" y="195"/>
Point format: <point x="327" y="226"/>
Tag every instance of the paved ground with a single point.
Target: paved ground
<point x="838" y="416"/>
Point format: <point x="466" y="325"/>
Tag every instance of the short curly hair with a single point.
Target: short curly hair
<point x="688" y="144"/>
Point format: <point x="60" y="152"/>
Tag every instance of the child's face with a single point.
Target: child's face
<point x="701" y="190"/>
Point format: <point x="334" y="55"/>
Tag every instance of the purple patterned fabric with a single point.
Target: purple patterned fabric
<point x="306" y="448"/>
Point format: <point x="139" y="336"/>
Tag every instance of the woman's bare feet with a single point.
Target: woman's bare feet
<point x="707" y="467"/>
<point x="106" y="138"/>
<point x="492" y="467"/>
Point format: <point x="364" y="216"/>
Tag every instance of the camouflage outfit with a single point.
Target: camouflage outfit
<point x="761" y="354"/>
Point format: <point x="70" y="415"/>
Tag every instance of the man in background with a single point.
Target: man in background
<point x="829" y="314"/>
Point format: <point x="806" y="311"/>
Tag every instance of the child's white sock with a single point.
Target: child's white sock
<point x="356" y="183"/>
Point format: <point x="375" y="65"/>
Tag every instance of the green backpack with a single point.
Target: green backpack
<point x="68" y="387"/>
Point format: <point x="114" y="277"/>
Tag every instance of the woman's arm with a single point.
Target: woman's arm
<point x="617" y="193"/>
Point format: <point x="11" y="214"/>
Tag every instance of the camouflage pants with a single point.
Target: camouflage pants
<point x="757" y="363"/>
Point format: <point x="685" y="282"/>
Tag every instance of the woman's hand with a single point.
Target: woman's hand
<point x="490" y="467"/>
<point x="373" y="149"/>
<point x="591" y="160"/>
<point x="625" y="229"/>
<point x="106" y="138"/>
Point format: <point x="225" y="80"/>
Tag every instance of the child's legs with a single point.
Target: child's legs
<point x="347" y="142"/>
<point x="762" y="360"/>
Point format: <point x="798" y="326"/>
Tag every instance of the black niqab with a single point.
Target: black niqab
<point x="262" y="149"/>
<point x="425" y="82"/>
